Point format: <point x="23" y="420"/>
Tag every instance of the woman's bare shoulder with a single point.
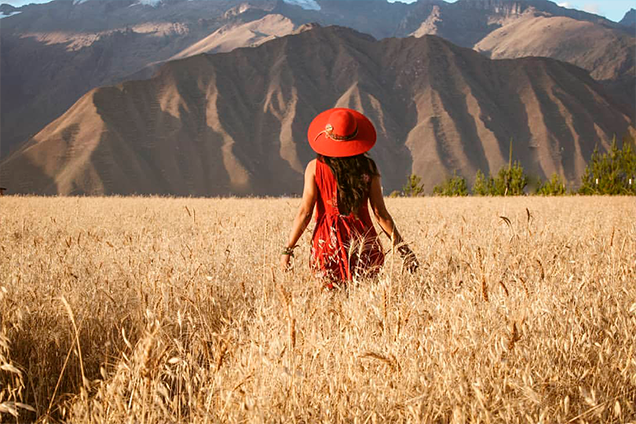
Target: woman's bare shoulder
<point x="311" y="166"/>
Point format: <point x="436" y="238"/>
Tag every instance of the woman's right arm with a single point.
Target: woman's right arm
<point x="303" y="216"/>
<point x="388" y="225"/>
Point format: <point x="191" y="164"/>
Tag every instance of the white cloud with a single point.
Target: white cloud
<point x="565" y="4"/>
<point x="593" y="8"/>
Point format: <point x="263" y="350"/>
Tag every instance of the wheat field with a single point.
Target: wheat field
<point x="154" y="310"/>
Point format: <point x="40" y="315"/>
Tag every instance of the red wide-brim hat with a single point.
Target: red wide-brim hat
<point x="341" y="132"/>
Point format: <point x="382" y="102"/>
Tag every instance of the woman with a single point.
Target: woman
<point x="340" y="182"/>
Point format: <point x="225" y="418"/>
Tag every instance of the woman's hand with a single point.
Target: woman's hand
<point x="285" y="262"/>
<point x="411" y="263"/>
<point x="408" y="257"/>
<point x="385" y="220"/>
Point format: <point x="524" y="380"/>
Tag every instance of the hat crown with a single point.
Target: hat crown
<point x="342" y="123"/>
<point x="341" y="132"/>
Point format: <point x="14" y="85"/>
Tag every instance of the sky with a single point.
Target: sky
<point x="611" y="9"/>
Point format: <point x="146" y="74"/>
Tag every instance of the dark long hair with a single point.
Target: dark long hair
<point x="353" y="175"/>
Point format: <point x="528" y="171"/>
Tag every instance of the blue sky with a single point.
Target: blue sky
<point x="611" y="9"/>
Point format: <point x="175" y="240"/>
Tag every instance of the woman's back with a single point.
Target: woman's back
<point x="328" y="194"/>
<point x="344" y="245"/>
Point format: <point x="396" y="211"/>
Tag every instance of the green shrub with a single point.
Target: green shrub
<point x="510" y="181"/>
<point x="482" y="185"/>
<point x="413" y="187"/>
<point x="453" y="186"/>
<point x="552" y="187"/>
<point x="611" y="173"/>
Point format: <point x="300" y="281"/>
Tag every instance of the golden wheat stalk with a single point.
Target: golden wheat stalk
<point x="291" y="322"/>
<point x="71" y="316"/>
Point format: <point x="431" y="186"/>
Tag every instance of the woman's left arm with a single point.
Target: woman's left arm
<point x="303" y="216"/>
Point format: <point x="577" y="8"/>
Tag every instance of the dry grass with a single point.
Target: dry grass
<point x="173" y="310"/>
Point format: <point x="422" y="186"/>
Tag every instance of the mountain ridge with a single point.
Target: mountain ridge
<point x="235" y="123"/>
<point x="54" y="53"/>
<point x="629" y="20"/>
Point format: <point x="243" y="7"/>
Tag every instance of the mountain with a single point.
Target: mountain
<point x="235" y="123"/>
<point x="466" y="22"/>
<point x="54" y="53"/>
<point x="629" y="20"/>
<point x="235" y="35"/>
<point x="7" y="10"/>
<point x="565" y="38"/>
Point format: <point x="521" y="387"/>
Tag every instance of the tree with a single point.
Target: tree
<point x="628" y="164"/>
<point x="611" y="172"/>
<point x="552" y="187"/>
<point x="453" y="186"/>
<point x="481" y="186"/>
<point x="413" y="187"/>
<point x="510" y="181"/>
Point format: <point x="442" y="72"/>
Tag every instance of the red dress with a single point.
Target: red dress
<point x="344" y="247"/>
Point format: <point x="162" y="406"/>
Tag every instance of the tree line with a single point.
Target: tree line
<point x="609" y="173"/>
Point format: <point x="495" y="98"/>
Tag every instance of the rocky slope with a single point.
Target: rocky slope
<point x="565" y="38"/>
<point x="235" y="123"/>
<point x="54" y="53"/>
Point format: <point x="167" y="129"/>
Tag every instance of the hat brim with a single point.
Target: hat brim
<point x="326" y="146"/>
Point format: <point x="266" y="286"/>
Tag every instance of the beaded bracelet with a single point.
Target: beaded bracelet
<point x="288" y="251"/>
